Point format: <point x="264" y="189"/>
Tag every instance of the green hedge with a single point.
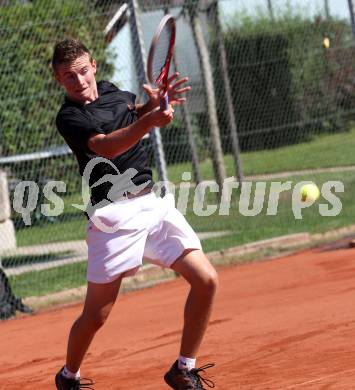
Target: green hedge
<point x="282" y="80"/>
<point x="30" y="97"/>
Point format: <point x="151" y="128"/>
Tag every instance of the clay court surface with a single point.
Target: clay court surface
<point x="288" y="323"/>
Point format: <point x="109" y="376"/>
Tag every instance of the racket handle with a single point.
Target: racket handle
<point x="164" y="102"/>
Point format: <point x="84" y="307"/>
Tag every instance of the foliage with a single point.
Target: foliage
<point x="282" y="78"/>
<point x="31" y="97"/>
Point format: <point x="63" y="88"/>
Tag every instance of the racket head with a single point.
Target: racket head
<point x="161" y="51"/>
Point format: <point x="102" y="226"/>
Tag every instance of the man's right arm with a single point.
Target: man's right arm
<point x="119" y="141"/>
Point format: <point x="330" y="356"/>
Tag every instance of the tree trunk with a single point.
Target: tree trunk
<point x="186" y="117"/>
<point x="214" y="17"/>
<point x="326" y="9"/>
<point x="271" y="10"/>
<point x="352" y="15"/>
<point x="206" y="68"/>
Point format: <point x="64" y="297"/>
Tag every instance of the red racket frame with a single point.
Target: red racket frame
<point x="162" y="81"/>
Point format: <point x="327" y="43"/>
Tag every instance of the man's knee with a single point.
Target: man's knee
<point x="208" y="282"/>
<point x="95" y="320"/>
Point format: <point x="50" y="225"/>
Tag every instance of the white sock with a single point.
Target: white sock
<point x="185" y="363"/>
<point x="70" y="375"/>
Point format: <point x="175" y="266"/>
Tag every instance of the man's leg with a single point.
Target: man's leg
<point x="194" y="266"/>
<point x="99" y="301"/>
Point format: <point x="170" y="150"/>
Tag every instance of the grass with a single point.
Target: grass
<point x="243" y="229"/>
<point x="62" y="230"/>
<point x="19" y="260"/>
<point x="49" y="280"/>
<point x="322" y="151"/>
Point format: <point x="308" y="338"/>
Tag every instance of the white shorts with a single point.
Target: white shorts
<point x="146" y="227"/>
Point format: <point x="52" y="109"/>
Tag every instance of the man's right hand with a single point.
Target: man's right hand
<point x="158" y="118"/>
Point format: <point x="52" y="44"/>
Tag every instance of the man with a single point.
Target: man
<point x="103" y="124"/>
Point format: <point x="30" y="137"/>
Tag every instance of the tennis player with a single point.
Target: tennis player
<point x="101" y="123"/>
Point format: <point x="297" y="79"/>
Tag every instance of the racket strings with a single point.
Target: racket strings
<point x="161" y="52"/>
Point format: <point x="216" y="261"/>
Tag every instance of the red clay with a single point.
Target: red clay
<point x="282" y="324"/>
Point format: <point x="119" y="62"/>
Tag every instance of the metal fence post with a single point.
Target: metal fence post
<point x="139" y="56"/>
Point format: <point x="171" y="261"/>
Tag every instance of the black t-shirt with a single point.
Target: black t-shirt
<point x="113" y="109"/>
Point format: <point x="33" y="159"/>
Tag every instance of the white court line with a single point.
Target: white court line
<point x="319" y="379"/>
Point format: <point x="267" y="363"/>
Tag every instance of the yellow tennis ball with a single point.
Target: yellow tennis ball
<point x="309" y="192"/>
<point x="326" y="43"/>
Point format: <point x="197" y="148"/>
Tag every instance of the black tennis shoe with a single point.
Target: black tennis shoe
<point x="187" y="380"/>
<point x="64" y="383"/>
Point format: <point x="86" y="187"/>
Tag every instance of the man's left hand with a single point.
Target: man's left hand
<point x="175" y="91"/>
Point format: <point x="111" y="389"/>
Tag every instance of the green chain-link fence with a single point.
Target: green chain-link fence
<point x="282" y="93"/>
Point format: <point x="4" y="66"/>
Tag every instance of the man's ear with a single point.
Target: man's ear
<point x="93" y="64"/>
<point x="57" y="77"/>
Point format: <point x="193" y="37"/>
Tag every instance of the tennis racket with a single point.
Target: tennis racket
<point x="159" y="57"/>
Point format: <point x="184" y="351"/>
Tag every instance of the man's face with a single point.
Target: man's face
<point x="78" y="79"/>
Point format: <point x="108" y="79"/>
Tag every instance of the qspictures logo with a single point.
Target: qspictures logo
<point x="249" y="198"/>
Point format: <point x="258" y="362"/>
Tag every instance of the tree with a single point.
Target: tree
<point x="186" y="118"/>
<point x="217" y="154"/>
<point x="30" y="96"/>
<point x="214" y="17"/>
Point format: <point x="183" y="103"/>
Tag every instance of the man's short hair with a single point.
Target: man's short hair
<point x="67" y="51"/>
